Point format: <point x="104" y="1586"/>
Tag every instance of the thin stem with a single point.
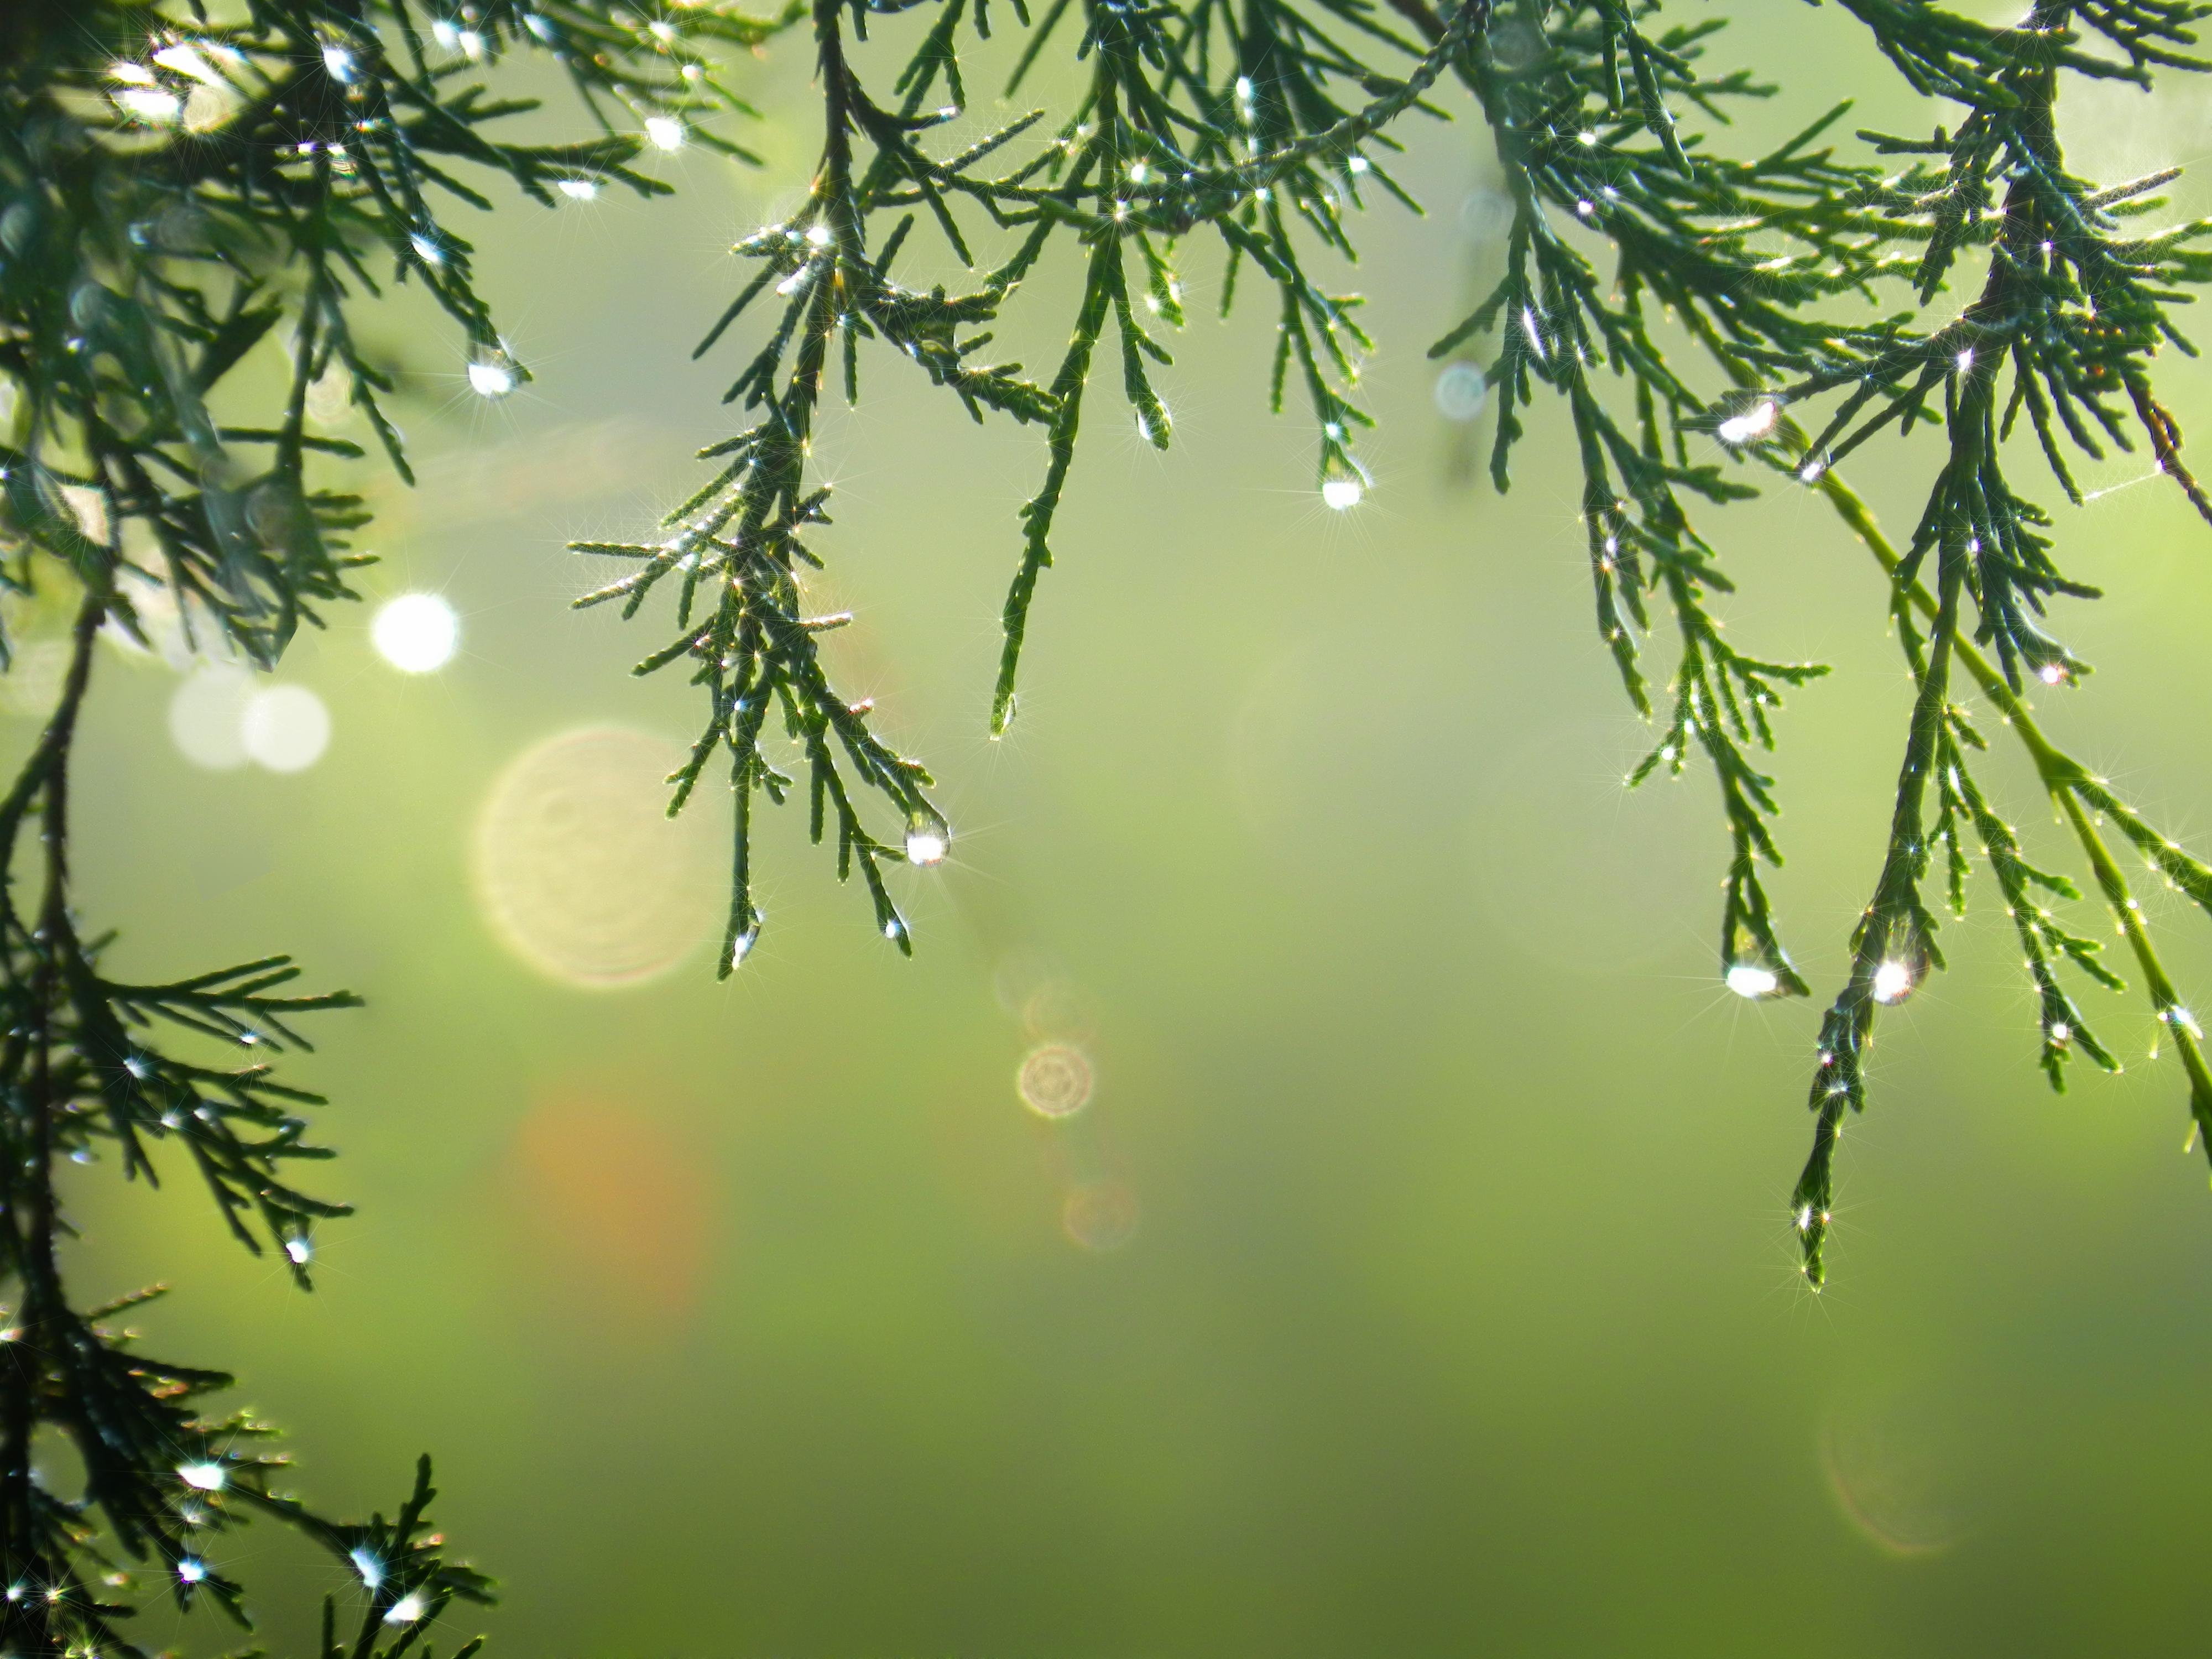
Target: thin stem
<point x="2064" y="778"/>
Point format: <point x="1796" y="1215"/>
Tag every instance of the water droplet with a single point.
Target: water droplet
<point x="203" y="1477"/>
<point x="1751" y="981"/>
<point x="927" y="842"/>
<point x="492" y="372"/>
<point x="579" y="189"/>
<point x="407" y="1610"/>
<point x="665" y="132"/>
<point x="1892" y="982"/>
<point x="191" y="1569"/>
<point x="366" y="1564"/>
<point x="1342" y="494"/>
<point x="1754" y="423"/>
<point x="301" y="1248"/>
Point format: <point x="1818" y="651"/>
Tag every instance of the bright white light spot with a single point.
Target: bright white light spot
<point x="665" y="131"/>
<point x="339" y="62"/>
<point x="1966" y="359"/>
<point x="1811" y="471"/>
<point x="425" y="249"/>
<point x="579" y="189"/>
<point x="285" y="728"/>
<point x="1535" y="334"/>
<point x="201" y="1477"/>
<point x="1462" y="390"/>
<point x="191" y="1569"/>
<point x="366" y="1564"/>
<point x="2061" y="1031"/>
<point x="472" y="47"/>
<point x="1892" y="982"/>
<point x="417" y="633"/>
<point x="150" y="103"/>
<point x="1749" y="979"/>
<point x="445" y="34"/>
<point x="1805" y="1218"/>
<point x="185" y="58"/>
<point x="301" y="1248"/>
<point x="1754" y="423"/>
<point x="1588" y="140"/>
<point x="1359" y="164"/>
<point x="137" y="74"/>
<point x="407" y="1610"/>
<point x="490" y="377"/>
<point x="2051" y="673"/>
<point x="1342" y="494"/>
<point x="818" y="235"/>
<point x="926" y="844"/>
<point x="205" y="715"/>
<point x="743" y="946"/>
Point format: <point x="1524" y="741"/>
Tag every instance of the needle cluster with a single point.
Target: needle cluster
<point x="201" y="201"/>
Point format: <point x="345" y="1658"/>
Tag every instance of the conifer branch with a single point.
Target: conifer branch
<point x="180" y="196"/>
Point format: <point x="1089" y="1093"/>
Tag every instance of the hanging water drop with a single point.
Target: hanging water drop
<point x="1750" y="981"/>
<point x="492" y="372"/>
<point x="201" y="1477"/>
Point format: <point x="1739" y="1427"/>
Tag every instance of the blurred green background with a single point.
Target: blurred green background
<point x="1449" y="1304"/>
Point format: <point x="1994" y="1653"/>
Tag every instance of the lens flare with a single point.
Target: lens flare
<point x="581" y="870"/>
<point x="1056" y="1079"/>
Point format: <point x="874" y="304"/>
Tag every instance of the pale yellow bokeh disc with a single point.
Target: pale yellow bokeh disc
<point x="579" y="869"/>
